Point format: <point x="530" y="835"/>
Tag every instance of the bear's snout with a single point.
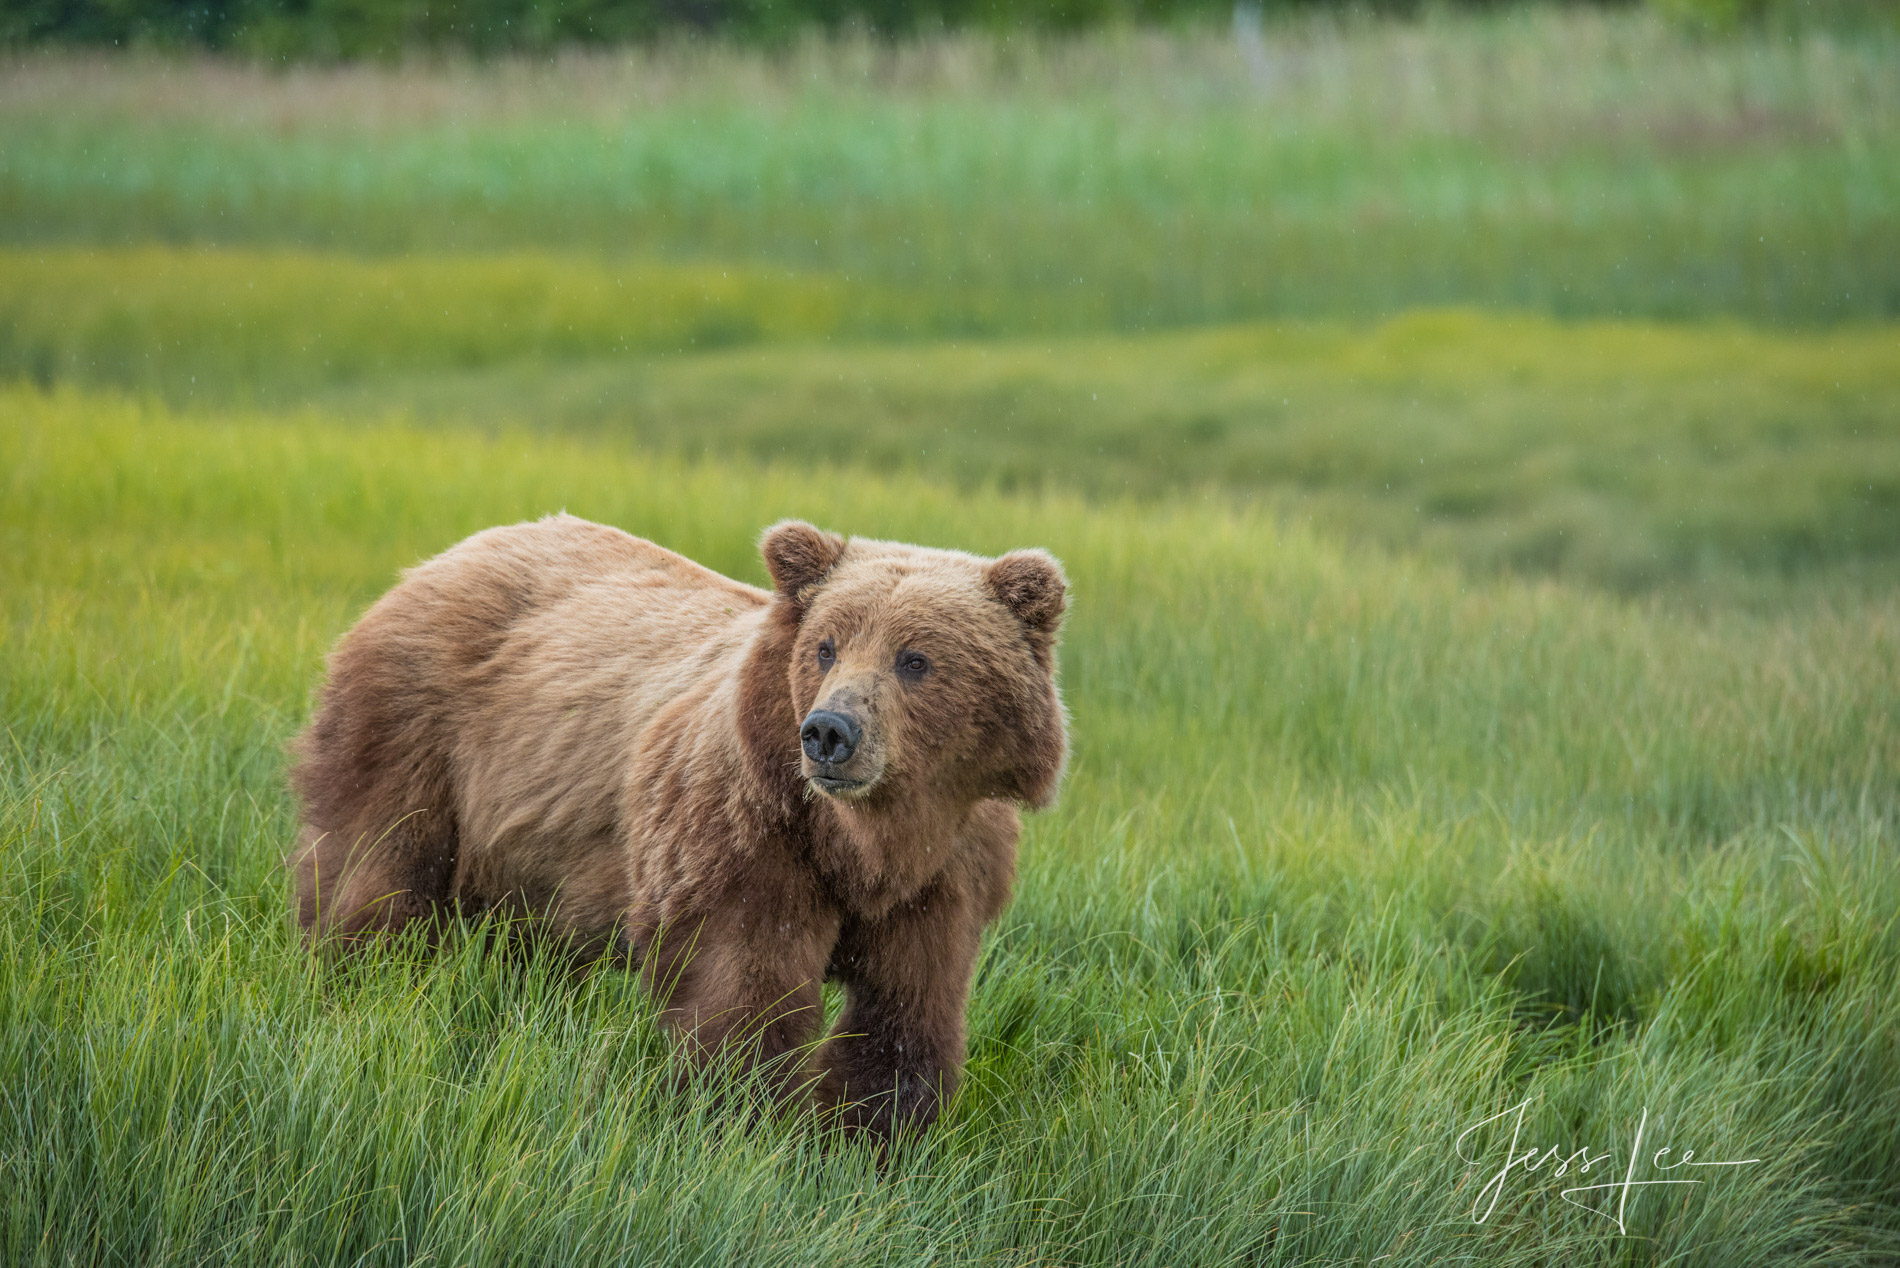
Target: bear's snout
<point x="829" y="738"/>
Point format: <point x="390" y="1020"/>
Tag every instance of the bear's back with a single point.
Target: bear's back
<point x="500" y="576"/>
<point x="568" y="637"/>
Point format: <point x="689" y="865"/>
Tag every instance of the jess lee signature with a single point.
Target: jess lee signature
<point x="1532" y="1159"/>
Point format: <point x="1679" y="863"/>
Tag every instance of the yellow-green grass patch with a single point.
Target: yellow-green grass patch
<point x="1357" y="850"/>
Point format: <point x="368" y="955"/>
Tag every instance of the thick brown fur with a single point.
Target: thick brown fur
<point x="562" y="720"/>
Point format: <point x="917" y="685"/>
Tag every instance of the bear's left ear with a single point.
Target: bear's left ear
<point x="1031" y="584"/>
<point x="798" y="555"/>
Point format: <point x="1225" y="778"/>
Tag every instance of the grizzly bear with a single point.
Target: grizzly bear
<point x="747" y="793"/>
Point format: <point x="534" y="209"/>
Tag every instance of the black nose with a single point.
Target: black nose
<point x="828" y="737"/>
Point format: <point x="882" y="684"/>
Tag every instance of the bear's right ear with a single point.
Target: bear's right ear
<point x="798" y="556"/>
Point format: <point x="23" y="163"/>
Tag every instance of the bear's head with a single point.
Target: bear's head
<point x="918" y="675"/>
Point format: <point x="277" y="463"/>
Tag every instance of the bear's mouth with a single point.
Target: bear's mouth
<point x="836" y="787"/>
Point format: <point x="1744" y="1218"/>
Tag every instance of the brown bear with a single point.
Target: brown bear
<point x="747" y="793"/>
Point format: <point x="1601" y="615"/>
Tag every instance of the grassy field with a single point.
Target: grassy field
<point x="1705" y="460"/>
<point x="1415" y="849"/>
<point x="1475" y="447"/>
<point x="1580" y="163"/>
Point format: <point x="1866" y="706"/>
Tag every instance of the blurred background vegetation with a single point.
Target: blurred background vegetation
<point x="353" y="28"/>
<point x="1568" y="291"/>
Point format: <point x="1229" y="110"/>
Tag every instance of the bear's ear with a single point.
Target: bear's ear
<point x="798" y="555"/>
<point x="1031" y="584"/>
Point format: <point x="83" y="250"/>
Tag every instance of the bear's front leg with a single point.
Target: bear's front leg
<point x="741" y="985"/>
<point x="896" y="1055"/>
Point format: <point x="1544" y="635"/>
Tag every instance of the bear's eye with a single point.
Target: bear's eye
<point x="912" y="664"/>
<point x="826" y="654"/>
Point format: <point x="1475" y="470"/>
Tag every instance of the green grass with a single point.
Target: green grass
<point x="1707" y="460"/>
<point x="245" y="324"/>
<point x="1576" y="163"/>
<point x="1474" y="446"/>
<point x="1356" y="852"/>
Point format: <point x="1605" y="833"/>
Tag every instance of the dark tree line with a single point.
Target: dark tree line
<point x="348" y="28"/>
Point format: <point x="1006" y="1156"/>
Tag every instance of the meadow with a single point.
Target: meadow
<point x="1412" y="851"/>
<point x="1707" y="461"/>
<point x="1484" y="694"/>
<point x="1576" y="162"/>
